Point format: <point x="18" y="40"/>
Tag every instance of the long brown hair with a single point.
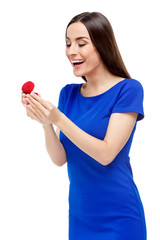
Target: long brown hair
<point x="102" y="37"/>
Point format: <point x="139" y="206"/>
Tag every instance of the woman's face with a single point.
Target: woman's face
<point x="81" y="51"/>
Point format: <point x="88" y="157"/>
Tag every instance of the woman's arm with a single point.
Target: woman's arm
<point x="54" y="147"/>
<point x="104" y="151"/>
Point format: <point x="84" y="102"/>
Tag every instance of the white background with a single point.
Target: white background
<point x="33" y="191"/>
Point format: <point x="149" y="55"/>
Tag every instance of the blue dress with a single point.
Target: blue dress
<point x="104" y="202"/>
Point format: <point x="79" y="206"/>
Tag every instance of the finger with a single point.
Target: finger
<point x="23" y="94"/>
<point x="28" y="111"/>
<point x="34" y="111"/>
<point x="23" y="98"/>
<point x="37" y="107"/>
<point x="31" y="114"/>
<point x="39" y="99"/>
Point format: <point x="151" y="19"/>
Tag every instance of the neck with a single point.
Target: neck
<point x="99" y="82"/>
<point x="99" y="78"/>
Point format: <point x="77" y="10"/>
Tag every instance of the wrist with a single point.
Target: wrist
<point x="62" y="122"/>
<point x="58" y="117"/>
<point x="46" y="125"/>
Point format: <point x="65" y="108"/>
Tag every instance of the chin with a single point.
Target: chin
<point x="78" y="74"/>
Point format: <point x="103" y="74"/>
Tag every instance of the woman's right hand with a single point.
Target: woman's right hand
<point x="29" y="113"/>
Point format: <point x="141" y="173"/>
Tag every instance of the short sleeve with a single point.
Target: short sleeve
<point x="61" y="99"/>
<point x="130" y="99"/>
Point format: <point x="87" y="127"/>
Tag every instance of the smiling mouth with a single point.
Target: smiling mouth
<point x="77" y="62"/>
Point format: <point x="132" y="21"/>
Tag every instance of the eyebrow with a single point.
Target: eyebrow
<point x="78" y="38"/>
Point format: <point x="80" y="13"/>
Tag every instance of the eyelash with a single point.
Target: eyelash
<point x="80" y="45"/>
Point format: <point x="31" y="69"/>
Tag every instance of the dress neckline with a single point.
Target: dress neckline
<point x="101" y="94"/>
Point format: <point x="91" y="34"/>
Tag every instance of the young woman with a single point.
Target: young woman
<point x="95" y="121"/>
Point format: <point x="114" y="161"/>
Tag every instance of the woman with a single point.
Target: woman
<point x="95" y="124"/>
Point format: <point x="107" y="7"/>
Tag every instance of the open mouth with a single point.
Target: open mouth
<point x="77" y="62"/>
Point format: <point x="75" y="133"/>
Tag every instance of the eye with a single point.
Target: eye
<point x="81" y="44"/>
<point x="68" y="45"/>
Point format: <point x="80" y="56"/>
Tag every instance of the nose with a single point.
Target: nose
<point x="72" y="50"/>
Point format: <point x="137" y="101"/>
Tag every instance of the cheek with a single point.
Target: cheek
<point x="94" y="59"/>
<point x="66" y="52"/>
<point x="92" y="55"/>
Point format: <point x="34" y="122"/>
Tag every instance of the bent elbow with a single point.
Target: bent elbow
<point x="106" y="162"/>
<point x="60" y="164"/>
<point x="106" y="159"/>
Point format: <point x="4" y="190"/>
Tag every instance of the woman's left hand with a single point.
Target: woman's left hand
<point x="42" y="109"/>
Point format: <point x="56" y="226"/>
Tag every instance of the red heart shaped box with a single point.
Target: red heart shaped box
<point x="28" y="87"/>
